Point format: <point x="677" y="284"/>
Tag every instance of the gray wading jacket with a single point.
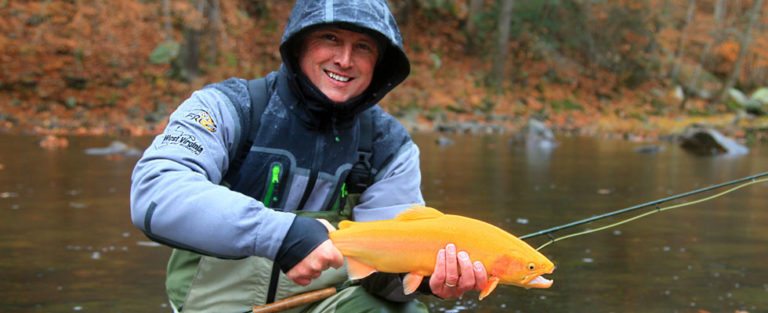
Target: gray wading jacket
<point x="299" y="159"/>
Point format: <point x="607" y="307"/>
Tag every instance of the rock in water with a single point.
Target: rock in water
<point x="703" y="140"/>
<point x="116" y="147"/>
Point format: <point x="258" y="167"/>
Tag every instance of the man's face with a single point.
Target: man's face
<point x="339" y="62"/>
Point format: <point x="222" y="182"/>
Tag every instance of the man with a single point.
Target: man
<point x="236" y="209"/>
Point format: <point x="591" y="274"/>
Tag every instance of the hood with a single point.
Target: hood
<point x="369" y="16"/>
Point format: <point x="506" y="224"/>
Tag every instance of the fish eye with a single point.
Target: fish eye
<point x="531" y="266"/>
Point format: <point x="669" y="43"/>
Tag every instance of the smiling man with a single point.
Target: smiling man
<point x="244" y="197"/>
<point x="339" y="62"/>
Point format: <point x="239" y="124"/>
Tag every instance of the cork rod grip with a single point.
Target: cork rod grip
<point x="294" y="301"/>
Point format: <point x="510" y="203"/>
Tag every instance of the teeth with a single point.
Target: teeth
<point x="338" y="77"/>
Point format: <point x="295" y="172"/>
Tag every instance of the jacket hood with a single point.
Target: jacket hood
<point x="372" y="17"/>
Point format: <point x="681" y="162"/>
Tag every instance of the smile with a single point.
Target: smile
<point x="338" y="77"/>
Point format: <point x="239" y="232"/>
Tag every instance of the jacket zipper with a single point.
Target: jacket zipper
<point x="271" y="195"/>
<point x="269" y="198"/>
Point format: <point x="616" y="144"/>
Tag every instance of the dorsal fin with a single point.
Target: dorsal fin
<point x="418" y="212"/>
<point x="345" y="224"/>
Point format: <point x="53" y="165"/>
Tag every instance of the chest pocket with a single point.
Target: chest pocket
<point x="266" y="175"/>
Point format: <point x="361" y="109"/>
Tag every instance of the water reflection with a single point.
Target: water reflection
<point x="660" y="264"/>
<point x="68" y="245"/>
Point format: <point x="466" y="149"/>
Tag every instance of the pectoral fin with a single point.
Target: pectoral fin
<point x="358" y="270"/>
<point x="492" y="283"/>
<point x="411" y="282"/>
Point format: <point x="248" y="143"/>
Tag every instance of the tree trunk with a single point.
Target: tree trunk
<point x="475" y="7"/>
<point x="591" y="49"/>
<point x="746" y="39"/>
<point x="717" y="36"/>
<point x="502" y="44"/>
<point x="167" y="28"/>
<point x="680" y="51"/>
<point x="214" y="21"/>
<point x="719" y="12"/>
<point x="403" y="11"/>
<point x="190" y="50"/>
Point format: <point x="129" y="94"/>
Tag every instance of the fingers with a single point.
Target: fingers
<point x="323" y="257"/>
<point x="455" y="273"/>
<point x="335" y="258"/>
<point x="481" y="276"/>
<point x="467" y="273"/>
<point x="451" y="271"/>
<point x="437" y="280"/>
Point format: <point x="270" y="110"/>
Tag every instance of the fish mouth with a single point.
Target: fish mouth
<point x="539" y="282"/>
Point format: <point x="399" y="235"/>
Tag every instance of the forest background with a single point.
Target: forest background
<point x="637" y="69"/>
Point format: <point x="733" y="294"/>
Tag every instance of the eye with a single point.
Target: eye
<point x="329" y="37"/>
<point x="531" y="266"/>
<point x="364" y="47"/>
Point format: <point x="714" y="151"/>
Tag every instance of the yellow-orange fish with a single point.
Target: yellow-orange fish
<point x="409" y="244"/>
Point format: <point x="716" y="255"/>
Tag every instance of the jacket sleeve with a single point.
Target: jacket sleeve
<point x="176" y="198"/>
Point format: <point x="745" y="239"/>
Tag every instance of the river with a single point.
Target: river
<point x="68" y="244"/>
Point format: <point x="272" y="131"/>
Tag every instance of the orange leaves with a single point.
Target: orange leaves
<point x="82" y="66"/>
<point x="728" y="50"/>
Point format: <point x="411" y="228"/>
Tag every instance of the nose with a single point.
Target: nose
<point x="344" y="56"/>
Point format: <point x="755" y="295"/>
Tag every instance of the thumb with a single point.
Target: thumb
<point x="338" y="260"/>
<point x="326" y="224"/>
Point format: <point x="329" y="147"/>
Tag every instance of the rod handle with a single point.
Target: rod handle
<point x="294" y="301"/>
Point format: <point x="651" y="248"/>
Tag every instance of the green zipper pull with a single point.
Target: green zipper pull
<point x="275" y="174"/>
<point x="272" y="183"/>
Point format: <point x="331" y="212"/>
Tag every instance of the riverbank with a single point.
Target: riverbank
<point x="746" y="129"/>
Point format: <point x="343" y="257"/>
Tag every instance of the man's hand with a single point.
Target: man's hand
<point x="455" y="274"/>
<point x="323" y="257"/>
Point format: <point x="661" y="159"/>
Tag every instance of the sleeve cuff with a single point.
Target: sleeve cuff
<point x="304" y="236"/>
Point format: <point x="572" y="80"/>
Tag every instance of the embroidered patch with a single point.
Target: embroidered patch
<point x="180" y="138"/>
<point x="203" y="118"/>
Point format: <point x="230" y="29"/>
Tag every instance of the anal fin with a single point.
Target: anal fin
<point x="411" y="282"/>
<point x="492" y="283"/>
<point x="358" y="270"/>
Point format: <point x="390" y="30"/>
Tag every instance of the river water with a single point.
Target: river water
<point x="67" y="244"/>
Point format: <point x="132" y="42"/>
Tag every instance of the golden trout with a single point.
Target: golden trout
<point x="409" y="244"/>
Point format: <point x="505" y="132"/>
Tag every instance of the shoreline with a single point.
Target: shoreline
<point x="744" y="128"/>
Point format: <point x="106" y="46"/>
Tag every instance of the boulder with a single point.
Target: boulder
<point x="537" y="135"/>
<point x="702" y="140"/>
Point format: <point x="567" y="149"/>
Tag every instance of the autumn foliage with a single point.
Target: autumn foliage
<point x="87" y="67"/>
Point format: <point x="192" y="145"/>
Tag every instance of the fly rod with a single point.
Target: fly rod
<point x="317" y="295"/>
<point x="745" y="181"/>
